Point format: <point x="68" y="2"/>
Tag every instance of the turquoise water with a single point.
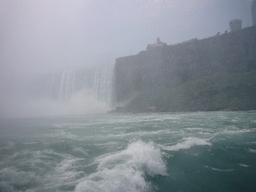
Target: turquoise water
<point x="202" y="151"/>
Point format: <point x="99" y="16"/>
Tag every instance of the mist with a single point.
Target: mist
<point x="41" y="37"/>
<point x="81" y="103"/>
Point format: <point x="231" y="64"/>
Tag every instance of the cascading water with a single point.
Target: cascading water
<point x="66" y="86"/>
<point x="62" y="85"/>
<point x="97" y="80"/>
<point x="71" y="92"/>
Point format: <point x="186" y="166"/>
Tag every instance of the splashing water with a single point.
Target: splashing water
<point x="71" y="92"/>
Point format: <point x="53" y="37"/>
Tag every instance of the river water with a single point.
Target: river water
<point x="200" y="151"/>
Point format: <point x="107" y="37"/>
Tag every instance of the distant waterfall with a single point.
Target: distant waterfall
<point x="66" y="86"/>
<point x="61" y="86"/>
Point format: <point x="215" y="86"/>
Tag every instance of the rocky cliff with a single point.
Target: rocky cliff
<point x="167" y="66"/>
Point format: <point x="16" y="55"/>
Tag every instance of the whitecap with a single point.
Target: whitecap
<point x="125" y="170"/>
<point x="222" y="170"/>
<point x="80" y="150"/>
<point x="225" y="170"/>
<point x="187" y="143"/>
<point x="63" y="135"/>
<point x="243" y="165"/>
<point x="252" y="150"/>
<point x="236" y="131"/>
<point x="10" y="176"/>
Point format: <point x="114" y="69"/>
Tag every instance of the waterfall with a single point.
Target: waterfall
<point x="80" y="91"/>
<point x="66" y="86"/>
<point x="63" y="85"/>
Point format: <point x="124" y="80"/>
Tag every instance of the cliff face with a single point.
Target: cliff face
<point x="139" y="72"/>
<point x="166" y="66"/>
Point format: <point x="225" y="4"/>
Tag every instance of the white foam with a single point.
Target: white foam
<point x="202" y="131"/>
<point x="81" y="150"/>
<point x="12" y="176"/>
<point x="252" y="150"/>
<point x="142" y="118"/>
<point x="251" y="143"/>
<point x="236" y="131"/>
<point x="187" y="143"/>
<point x="138" y="134"/>
<point x="125" y="171"/>
<point x="243" y="165"/>
<point x="63" y="135"/>
<point x="222" y="170"/>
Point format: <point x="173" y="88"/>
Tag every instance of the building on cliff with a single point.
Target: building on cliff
<point x="254" y="12"/>
<point x="156" y="45"/>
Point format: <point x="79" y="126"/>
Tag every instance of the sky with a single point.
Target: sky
<point x="45" y="35"/>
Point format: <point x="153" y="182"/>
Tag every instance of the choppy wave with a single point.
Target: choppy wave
<point x="217" y="169"/>
<point x="187" y="143"/>
<point x="45" y="170"/>
<point x="125" y="170"/>
<point x="134" y="152"/>
<point x="252" y="150"/>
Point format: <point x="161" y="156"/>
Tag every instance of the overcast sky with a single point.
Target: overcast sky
<point x="45" y="35"/>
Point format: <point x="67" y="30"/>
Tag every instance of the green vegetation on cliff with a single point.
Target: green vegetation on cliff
<point x="220" y="91"/>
